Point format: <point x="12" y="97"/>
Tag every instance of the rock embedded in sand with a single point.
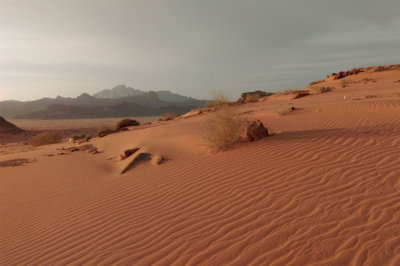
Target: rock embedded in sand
<point x="158" y="159"/>
<point x="256" y="130"/>
<point x="129" y="152"/>
<point x="143" y="156"/>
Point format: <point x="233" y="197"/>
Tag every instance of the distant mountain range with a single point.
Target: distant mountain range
<point x="121" y="91"/>
<point x="120" y="101"/>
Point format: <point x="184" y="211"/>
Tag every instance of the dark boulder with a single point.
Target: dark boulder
<point x="256" y="130"/>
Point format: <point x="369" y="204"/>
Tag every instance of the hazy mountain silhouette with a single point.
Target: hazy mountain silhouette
<point x="118" y="92"/>
<point x="121" y="91"/>
<point x="87" y="106"/>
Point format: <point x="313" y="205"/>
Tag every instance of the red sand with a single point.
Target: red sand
<point x="325" y="189"/>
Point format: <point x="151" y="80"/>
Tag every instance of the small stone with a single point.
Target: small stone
<point x="158" y="159"/>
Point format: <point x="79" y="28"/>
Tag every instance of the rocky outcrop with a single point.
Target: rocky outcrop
<point x="355" y="71"/>
<point x="256" y="130"/>
<point x="8" y="128"/>
<point x="253" y="96"/>
<point x="343" y="74"/>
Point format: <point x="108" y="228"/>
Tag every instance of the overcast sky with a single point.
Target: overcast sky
<point x="192" y="47"/>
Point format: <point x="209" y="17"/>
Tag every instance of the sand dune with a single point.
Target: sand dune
<point x="324" y="190"/>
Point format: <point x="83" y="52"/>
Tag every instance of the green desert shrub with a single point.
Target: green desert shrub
<point x="45" y="138"/>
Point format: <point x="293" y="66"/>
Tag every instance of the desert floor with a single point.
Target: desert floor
<point x="323" y="189"/>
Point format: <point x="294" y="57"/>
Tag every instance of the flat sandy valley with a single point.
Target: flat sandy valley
<point x="323" y="189"/>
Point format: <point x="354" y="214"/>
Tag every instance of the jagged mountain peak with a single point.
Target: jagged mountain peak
<point x="118" y="92"/>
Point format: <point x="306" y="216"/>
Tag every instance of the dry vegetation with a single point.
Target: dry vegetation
<point x="290" y="91"/>
<point x="126" y="123"/>
<point x="167" y="117"/>
<point x="346" y="82"/>
<point x="316" y="82"/>
<point x="104" y="131"/>
<point x="225" y="128"/>
<point x="45" y="138"/>
<point x="284" y="110"/>
<point x="219" y="101"/>
<point x="320" y="89"/>
<point x="81" y="137"/>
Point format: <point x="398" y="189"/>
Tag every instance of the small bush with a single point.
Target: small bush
<point x="284" y="110"/>
<point x="45" y="138"/>
<point x="290" y="91"/>
<point x="79" y="137"/>
<point x="224" y="128"/>
<point x="369" y="96"/>
<point x="321" y="89"/>
<point x="219" y="101"/>
<point x="126" y="123"/>
<point x="104" y="131"/>
<point x="167" y="116"/>
<point x="316" y="82"/>
<point x="345" y="82"/>
<point x="366" y="80"/>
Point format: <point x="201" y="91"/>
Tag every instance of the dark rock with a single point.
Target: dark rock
<point x="343" y="74"/>
<point x="256" y="130"/>
<point x="129" y="152"/>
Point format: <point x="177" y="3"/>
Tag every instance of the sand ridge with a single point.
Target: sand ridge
<point x="324" y="190"/>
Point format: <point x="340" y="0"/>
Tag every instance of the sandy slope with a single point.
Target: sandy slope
<point x="325" y="189"/>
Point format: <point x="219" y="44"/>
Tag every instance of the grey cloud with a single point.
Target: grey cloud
<point x="191" y="47"/>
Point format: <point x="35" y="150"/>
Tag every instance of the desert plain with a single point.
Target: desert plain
<point x="322" y="189"/>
